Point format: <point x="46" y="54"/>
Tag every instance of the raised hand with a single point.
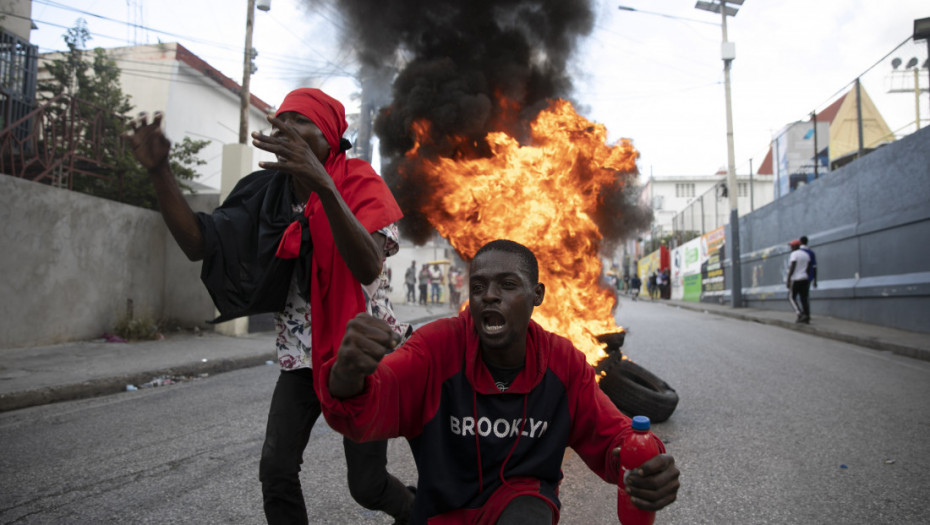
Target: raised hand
<point x="300" y="150"/>
<point x="149" y="144"/>
<point x="365" y="343"/>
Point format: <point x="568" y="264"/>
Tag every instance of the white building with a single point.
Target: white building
<point x="700" y="202"/>
<point x="197" y="99"/>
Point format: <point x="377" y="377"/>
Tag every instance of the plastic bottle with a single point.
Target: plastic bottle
<point x="636" y="449"/>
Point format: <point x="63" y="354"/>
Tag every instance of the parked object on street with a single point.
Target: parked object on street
<point x="636" y="449"/>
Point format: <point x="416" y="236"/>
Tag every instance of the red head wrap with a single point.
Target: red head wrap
<point x="326" y="112"/>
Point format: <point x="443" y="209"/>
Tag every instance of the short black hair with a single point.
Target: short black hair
<point x="803" y="239"/>
<point x="525" y="254"/>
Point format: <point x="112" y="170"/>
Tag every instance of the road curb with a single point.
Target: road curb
<point x="866" y="342"/>
<point x="116" y="384"/>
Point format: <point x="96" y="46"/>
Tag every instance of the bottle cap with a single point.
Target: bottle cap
<point x="640" y="423"/>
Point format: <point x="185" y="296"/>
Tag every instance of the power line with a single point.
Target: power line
<point x="280" y="58"/>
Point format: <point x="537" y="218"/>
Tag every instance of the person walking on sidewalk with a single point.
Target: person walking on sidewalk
<point x="305" y="238"/>
<point x="635" y="284"/>
<point x="489" y="401"/>
<point x="812" y="267"/>
<point x="410" y="280"/>
<point x="424" y="284"/>
<point x="798" y="282"/>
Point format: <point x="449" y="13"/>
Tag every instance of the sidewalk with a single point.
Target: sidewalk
<point x="82" y="369"/>
<point x="911" y="344"/>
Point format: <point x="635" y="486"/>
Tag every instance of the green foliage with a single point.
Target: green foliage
<point x="137" y="329"/>
<point x="91" y="80"/>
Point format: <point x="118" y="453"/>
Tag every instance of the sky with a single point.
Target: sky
<point x="653" y="75"/>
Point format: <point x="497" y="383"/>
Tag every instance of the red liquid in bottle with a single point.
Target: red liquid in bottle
<point x="636" y="449"/>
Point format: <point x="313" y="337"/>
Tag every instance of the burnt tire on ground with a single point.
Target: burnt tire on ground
<point x="635" y="390"/>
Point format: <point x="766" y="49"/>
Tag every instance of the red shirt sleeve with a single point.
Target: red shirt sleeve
<point x="403" y="393"/>
<point x="598" y="426"/>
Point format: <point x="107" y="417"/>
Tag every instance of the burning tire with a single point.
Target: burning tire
<point x="635" y="390"/>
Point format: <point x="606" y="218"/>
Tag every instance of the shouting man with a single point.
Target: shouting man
<point x="489" y="401"/>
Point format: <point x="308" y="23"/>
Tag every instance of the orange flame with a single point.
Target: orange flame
<point x="542" y="195"/>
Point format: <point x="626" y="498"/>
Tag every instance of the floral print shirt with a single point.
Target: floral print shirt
<point x="293" y="324"/>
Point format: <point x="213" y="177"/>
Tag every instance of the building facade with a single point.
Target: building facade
<point x="197" y="99"/>
<point x="700" y="203"/>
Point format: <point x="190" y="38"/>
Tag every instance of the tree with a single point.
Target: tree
<point x="89" y="85"/>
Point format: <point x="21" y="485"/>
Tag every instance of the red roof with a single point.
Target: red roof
<point x="829" y="112"/>
<point x="184" y="55"/>
<point x="766" y="167"/>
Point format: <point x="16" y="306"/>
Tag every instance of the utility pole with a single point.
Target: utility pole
<point x="244" y="95"/>
<point x="728" y="53"/>
<point x="736" y="266"/>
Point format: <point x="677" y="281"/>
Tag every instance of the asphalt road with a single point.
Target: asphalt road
<point x="773" y="426"/>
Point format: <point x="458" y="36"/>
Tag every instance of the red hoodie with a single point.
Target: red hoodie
<point x="477" y="448"/>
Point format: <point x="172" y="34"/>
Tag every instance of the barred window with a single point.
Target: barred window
<point x="684" y="190"/>
<point x="743" y="189"/>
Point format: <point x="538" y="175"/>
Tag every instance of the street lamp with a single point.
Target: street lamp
<point x="922" y="32"/>
<point x="728" y="53"/>
<point x="247" y="68"/>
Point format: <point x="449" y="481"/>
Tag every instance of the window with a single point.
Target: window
<point x="657" y="202"/>
<point x="684" y="190"/>
<point x="743" y="189"/>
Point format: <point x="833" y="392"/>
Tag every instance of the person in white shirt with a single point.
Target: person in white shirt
<point x="798" y="282"/>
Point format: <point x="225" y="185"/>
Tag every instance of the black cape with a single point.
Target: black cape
<point x="240" y="269"/>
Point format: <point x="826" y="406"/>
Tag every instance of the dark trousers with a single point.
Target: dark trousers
<point x="423" y="293"/>
<point x="294" y="410"/>
<point x="800" y="293"/>
<point x="411" y="293"/>
<point x="524" y="510"/>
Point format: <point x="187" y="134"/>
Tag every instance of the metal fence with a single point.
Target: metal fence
<point x="65" y="137"/>
<point x="706" y="212"/>
<point x="18" y="70"/>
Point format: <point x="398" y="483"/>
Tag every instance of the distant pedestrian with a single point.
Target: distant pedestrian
<point x="450" y="283"/>
<point x="812" y="268"/>
<point x="424" y="284"/>
<point x="435" y="279"/>
<point x="798" y="282"/>
<point x="459" y="286"/>
<point x="635" y="284"/>
<point x="661" y="283"/>
<point x="410" y="280"/>
<point x="652" y="285"/>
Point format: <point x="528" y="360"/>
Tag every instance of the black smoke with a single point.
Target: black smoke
<point x="455" y="61"/>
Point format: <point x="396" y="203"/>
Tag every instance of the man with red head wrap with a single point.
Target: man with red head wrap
<point x="304" y="238"/>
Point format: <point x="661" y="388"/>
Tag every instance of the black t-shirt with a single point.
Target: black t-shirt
<point x="503" y="377"/>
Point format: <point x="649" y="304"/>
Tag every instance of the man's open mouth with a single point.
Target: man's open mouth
<point x="493" y="323"/>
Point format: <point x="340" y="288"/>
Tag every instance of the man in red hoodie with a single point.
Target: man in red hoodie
<point x="489" y="401"/>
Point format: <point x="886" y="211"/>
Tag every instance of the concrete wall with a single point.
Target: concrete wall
<point x="869" y="224"/>
<point x="69" y="262"/>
